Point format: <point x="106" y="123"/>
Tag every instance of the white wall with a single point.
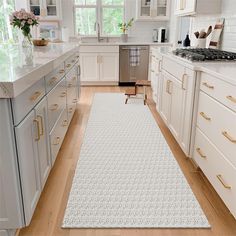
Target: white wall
<point x="139" y="31"/>
<point x="229" y="32"/>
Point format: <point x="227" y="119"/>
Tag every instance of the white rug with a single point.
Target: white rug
<point x="127" y="176"/>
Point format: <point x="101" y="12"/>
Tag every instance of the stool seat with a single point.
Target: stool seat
<point x="143" y="83"/>
<point x="130" y="91"/>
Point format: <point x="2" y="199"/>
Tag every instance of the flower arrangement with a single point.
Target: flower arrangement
<point x="24" y="21"/>
<point x="125" y="26"/>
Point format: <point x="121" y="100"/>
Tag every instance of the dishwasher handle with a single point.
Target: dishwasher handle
<point x="140" y="48"/>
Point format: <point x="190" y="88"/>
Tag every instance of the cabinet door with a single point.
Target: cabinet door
<point x="109" y="66"/>
<point x="177" y="105"/>
<point x="89" y="67"/>
<point x="165" y="98"/>
<point x="26" y="139"/>
<point x="42" y="144"/>
<point x="185" y="7"/>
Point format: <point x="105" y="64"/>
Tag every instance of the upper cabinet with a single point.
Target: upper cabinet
<point x="153" y="10"/>
<point x="193" y="7"/>
<point x="46" y="9"/>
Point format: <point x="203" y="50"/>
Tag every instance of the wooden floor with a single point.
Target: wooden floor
<point x="50" y="210"/>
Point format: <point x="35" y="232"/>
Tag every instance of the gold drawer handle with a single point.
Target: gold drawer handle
<point x="231" y="98"/>
<point x="75" y="100"/>
<point x="65" y="123"/>
<point x="205" y="116"/>
<point x="68" y="65"/>
<point x="56" y="141"/>
<point x="52" y="80"/>
<point x="41" y="125"/>
<point x="220" y="178"/>
<point x="183" y="81"/>
<point x="225" y="133"/>
<point x="70" y="110"/>
<point x="70" y="85"/>
<point x="38" y="130"/>
<point x="63" y="94"/>
<point x="207" y="85"/>
<point x="199" y="151"/>
<point x="54" y="107"/>
<point x="35" y="96"/>
<point x="61" y="71"/>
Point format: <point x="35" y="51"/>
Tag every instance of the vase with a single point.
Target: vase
<point x="26" y="41"/>
<point x="124" y="38"/>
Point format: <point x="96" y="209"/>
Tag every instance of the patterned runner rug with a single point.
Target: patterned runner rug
<point x="127" y="176"/>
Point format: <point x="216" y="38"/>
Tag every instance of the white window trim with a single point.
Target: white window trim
<point x="99" y="6"/>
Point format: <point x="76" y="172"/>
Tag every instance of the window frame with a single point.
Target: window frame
<point x="99" y="16"/>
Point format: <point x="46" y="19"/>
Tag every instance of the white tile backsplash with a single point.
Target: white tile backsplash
<point x="229" y="33"/>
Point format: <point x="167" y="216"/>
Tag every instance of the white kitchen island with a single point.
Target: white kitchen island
<point x="39" y="92"/>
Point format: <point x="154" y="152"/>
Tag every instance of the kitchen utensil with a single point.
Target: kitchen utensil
<point x="209" y="30"/>
<point x="197" y="34"/>
<point x="202" y="34"/>
<point x="215" y="38"/>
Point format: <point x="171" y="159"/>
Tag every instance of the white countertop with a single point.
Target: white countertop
<point x="20" y="69"/>
<point x="223" y="70"/>
<point x="122" y="43"/>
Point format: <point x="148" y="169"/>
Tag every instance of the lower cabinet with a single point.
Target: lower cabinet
<point x="33" y="156"/>
<point x="176" y="106"/>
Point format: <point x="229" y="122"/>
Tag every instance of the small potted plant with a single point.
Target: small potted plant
<point x="124" y="26"/>
<point x="24" y="21"/>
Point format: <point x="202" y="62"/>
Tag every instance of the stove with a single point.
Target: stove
<point x="205" y="54"/>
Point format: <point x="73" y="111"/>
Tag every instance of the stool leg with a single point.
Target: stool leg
<point x="126" y="100"/>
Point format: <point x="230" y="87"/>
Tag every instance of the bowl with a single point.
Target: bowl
<point x="40" y="42"/>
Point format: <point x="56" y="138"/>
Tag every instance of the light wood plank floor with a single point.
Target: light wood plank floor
<point x="50" y="210"/>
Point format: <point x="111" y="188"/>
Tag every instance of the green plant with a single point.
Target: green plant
<point x="124" y="26"/>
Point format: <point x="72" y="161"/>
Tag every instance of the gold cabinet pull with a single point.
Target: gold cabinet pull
<point x="35" y="96"/>
<point x="205" y="116"/>
<point x="231" y="139"/>
<point x="183" y="81"/>
<point x="220" y="178"/>
<point x="75" y="100"/>
<point x="168" y="82"/>
<point x="65" y="123"/>
<point x="61" y="71"/>
<point x="208" y="86"/>
<point x="199" y="151"/>
<point x="159" y="66"/>
<point x="231" y="98"/>
<point x="41" y="125"/>
<point x="54" y="107"/>
<point x="37" y="138"/>
<point x="70" y="110"/>
<point x="70" y="85"/>
<point x="68" y="65"/>
<point x="63" y="94"/>
<point x="52" y="80"/>
<point x="56" y="141"/>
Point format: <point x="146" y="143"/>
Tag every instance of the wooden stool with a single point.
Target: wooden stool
<point x="130" y="92"/>
<point x="144" y="84"/>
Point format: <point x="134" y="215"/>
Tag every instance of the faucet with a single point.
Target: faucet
<point x="97" y="28"/>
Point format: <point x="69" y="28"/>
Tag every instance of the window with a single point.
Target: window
<point x="108" y="13"/>
<point x="6" y="32"/>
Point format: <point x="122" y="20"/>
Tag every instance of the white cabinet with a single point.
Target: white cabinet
<point x="45" y="9"/>
<point x="99" y="64"/>
<point x="89" y="67"/>
<point x="109" y="66"/>
<point x="192" y="7"/>
<point x="153" y="10"/>
<point x="176" y="103"/>
<point x="33" y="157"/>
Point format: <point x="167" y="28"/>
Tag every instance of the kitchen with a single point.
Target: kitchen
<point x="75" y="159"/>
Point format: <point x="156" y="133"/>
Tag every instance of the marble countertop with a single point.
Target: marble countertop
<point x="122" y="43"/>
<point x="21" y="68"/>
<point x="223" y="70"/>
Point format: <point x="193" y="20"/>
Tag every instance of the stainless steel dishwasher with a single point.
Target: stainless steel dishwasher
<point x="130" y="73"/>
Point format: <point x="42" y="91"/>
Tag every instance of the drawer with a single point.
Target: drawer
<point x="220" y="90"/>
<point x="155" y="54"/>
<point x="57" y="134"/>
<point x="54" y="77"/>
<point x="173" y="68"/>
<point x="71" y="77"/>
<point x="25" y="102"/>
<point x="218" y="123"/>
<point x="56" y="102"/>
<point x="217" y="169"/>
<point x="102" y="49"/>
<point x="71" y="110"/>
<point x="72" y="95"/>
<point x="69" y="63"/>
